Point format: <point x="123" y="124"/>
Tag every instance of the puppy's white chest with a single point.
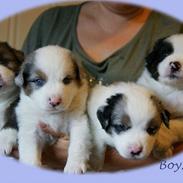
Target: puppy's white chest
<point x="174" y="103"/>
<point x="57" y="122"/>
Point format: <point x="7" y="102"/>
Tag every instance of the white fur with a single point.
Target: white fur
<point x="69" y="117"/>
<point x="139" y="107"/>
<point x="8" y="140"/>
<point x="170" y="92"/>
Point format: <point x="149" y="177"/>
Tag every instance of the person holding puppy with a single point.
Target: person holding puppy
<point x="111" y="40"/>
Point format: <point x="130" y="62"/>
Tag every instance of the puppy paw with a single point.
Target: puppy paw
<point x="169" y="153"/>
<point x="5" y="148"/>
<point x="7" y="142"/>
<point x="31" y="162"/>
<point x="75" y="168"/>
<point x="163" y="153"/>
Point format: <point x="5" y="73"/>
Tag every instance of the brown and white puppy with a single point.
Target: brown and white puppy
<point x="127" y="117"/>
<point x="53" y="90"/>
<point x="10" y="62"/>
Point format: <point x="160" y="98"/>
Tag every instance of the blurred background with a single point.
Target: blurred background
<point x="15" y="28"/>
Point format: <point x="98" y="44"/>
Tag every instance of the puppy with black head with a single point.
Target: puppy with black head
<point x="127" y="117"/>
<point x="163" y="74"/>
<point x="53" y="90"/>
<point x="10" y="62"/>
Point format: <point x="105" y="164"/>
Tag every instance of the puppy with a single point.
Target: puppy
<point x="163" y="74"/>
<point x="53" y="90"/>
<point x="10" y="62"/>
<point x="125" y="116"/>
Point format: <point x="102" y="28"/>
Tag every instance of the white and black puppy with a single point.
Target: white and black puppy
<point x="10" y="62"/>
<point x="125" y="116"/>
<point x="164" y="73"/>
<point x="53" y="90"/>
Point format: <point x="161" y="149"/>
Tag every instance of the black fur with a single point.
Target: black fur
<point x="165" y="117"/>
<point x="10" y="116"/>
<point x="160" y="51"/>
<point x="104" y="113"/>
<point x="25" y="74"/>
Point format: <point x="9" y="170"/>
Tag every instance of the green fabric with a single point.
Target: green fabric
<point x="58" y="26"/>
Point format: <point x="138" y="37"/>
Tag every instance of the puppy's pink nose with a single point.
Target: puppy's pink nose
<point x="135" y="150"/>
<point x="55" y="101"/>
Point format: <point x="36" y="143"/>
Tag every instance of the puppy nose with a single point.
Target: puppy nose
<point x="55" y="101"/>
<point x="175" y="66"/>
<point x="135" y="150"/>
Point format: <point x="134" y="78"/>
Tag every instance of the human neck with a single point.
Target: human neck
<point x="112" y="16"/>
<point x="120" y="9"/>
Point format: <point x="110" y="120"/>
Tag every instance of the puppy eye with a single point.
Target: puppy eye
<point x="67" y="80"/>
<point x="120" y="128"/>
<point x="152" y="130"/>
<point x="38" y="82"/>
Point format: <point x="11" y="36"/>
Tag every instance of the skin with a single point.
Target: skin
<point x="103" y="28"/>
<point x="55" y="156"/>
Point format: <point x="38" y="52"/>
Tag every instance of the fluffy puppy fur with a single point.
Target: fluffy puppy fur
<point x="53" y="90"/>
<point x="164" y="75"/>
<point x="10" y="61"/>
<point x="125" y="116"/>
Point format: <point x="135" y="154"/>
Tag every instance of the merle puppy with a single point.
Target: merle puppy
<point x="127" y="117"/>
<point x="10" y="62"/>
<point x="54" y="90"/>
<point x="164" y="75"/>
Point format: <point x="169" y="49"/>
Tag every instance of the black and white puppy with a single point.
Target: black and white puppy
<point x="10" y="62"/>
<point x="53" y="90"/>
<point x="163" y="74"/>
<point x="125" y="116"/>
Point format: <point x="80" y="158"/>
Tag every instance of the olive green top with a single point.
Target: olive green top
<point x="57" y="26"/>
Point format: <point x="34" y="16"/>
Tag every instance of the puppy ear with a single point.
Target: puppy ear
<point x="19" y="55"/>
<point x="103" y="118"/>
<point x="153" y="54"/>
<point x="105" y="113"/>
<point x="19" y="80"/>
<point x="156" y="56"/>
<point x="79" y="70"/>
<point x="164" y="114"/>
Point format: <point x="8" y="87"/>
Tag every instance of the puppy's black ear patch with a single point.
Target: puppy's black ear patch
<point x="160" y="51"/>
<point x="102" y="118"/>
<point x="25" y="70"/>
<point x="164" y="114"/>
<point x="104" y="113"/>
